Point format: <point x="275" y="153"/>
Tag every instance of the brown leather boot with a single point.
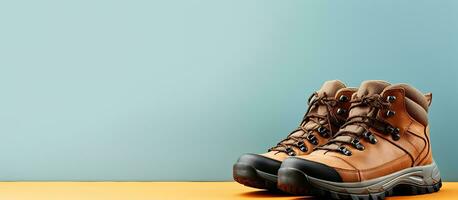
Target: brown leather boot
<point x="327" y="111"/>
<point x="383" y="149"/>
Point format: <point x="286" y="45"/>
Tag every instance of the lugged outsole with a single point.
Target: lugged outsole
<point x="411" y="181"/>
<point x="294" y="181"/>
<point x="249" y="176"/>
<point x="399" y="190"/>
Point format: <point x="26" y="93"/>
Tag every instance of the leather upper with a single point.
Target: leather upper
<point x="387" y="155"/>
<point x="335" y="88"/>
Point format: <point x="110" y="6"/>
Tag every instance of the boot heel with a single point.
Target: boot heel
<point x="426" y="181"/>
<point x="406" y="189"/>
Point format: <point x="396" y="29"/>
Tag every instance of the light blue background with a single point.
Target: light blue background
<point x="177" y="90"/>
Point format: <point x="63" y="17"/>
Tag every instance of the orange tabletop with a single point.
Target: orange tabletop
<point x="161" y="190"/>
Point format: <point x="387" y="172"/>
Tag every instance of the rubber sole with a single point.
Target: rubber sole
<point x="411" y="181"/>
<point x="251" y="177"/>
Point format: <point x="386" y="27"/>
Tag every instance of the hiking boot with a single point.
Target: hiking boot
<point x="327" y="111"/>
<point x="383" y="149"/>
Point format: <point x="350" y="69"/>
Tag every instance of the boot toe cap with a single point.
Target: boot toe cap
<point x="260" y="163"/>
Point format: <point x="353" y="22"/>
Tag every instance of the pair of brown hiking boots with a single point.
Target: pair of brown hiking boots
<point x="353" y="143"/>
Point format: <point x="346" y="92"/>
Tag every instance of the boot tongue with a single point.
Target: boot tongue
<point x="328" y="89"/>
<point x="367" y="88"/>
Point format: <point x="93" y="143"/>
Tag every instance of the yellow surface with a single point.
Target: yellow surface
<point x="160" y="190"/>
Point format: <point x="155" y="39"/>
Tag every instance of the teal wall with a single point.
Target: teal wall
<point x="177" y="90"/>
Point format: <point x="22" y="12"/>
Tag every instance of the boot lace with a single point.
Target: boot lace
<point x="324" y="124"/>
<point x="370" y="120"/>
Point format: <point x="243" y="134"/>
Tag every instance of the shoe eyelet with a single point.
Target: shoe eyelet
<point x="323" y="131"/>
<point x="345" y="151"/>
<point x="355" y="142"/>
<point x="341" y="111"/>
<point x="391" y="99"/>
<point x="312" y="139"/>
<point x="290" y="151"/>
<point x="343" y="98"/>
<point x="390" y="113"/>
<point x="389" y="129"/>
<point x="394" y="132"/>
<point x="303" y="148"/>
<point x="369" y="136"/>
<point x="395" y="136"/>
